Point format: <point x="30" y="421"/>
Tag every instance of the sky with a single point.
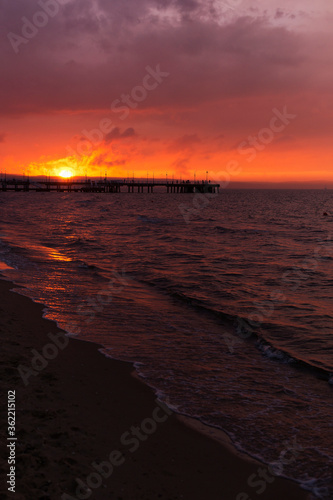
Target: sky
<point x="234" y="90"/>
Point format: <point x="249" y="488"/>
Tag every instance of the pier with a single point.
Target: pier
<point x="106" y="186"/>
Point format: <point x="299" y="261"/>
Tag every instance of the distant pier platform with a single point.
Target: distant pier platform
<point x="107" y="186"/>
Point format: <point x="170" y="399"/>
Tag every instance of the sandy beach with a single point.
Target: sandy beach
<point x="86" y="428"/>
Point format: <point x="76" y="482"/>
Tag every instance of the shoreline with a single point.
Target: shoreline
<point x="79" y="411"/>
<point x="214" y="433"/>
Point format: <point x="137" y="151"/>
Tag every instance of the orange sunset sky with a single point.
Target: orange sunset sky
<point x="237" y="88"/>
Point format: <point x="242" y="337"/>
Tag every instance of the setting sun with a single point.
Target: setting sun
<point x="65" y="174"/>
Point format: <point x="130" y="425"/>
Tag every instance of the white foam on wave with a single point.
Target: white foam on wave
<point x="318" y="492"/>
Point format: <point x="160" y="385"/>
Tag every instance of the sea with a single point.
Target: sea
<point x="223" y="303"/>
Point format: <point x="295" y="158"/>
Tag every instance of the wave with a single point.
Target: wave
<point x="283" y="356"/>
<point x="76" y="243"/>
<point x="244" y="332"/>
<point x="81" y="264"/>
<point x="273" y="353"/>
<point x="222" y="229"/>
<point x="155" y="220"/>
<point x="80" y="242"/>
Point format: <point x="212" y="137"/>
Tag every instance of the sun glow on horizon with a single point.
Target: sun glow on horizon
<point x="65" y="173"/>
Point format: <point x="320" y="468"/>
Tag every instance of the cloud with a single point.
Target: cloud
<point x="186" y="142"/>
<point x="279" y="13"/>
<point x="92" y="52"/>
<point x="103" y="160"/>
<point x="115" y="163"/>
<point x="115" y="134"/>
<point x="181" y="164"/>
<point x="129" y="132"/>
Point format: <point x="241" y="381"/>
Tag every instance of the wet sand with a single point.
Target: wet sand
<point x="83" y="409"/>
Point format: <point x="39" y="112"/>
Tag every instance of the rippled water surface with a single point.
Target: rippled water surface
<point x="224" y="303"/>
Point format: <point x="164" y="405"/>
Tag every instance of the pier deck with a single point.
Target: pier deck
<point x="107" y="186"/>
